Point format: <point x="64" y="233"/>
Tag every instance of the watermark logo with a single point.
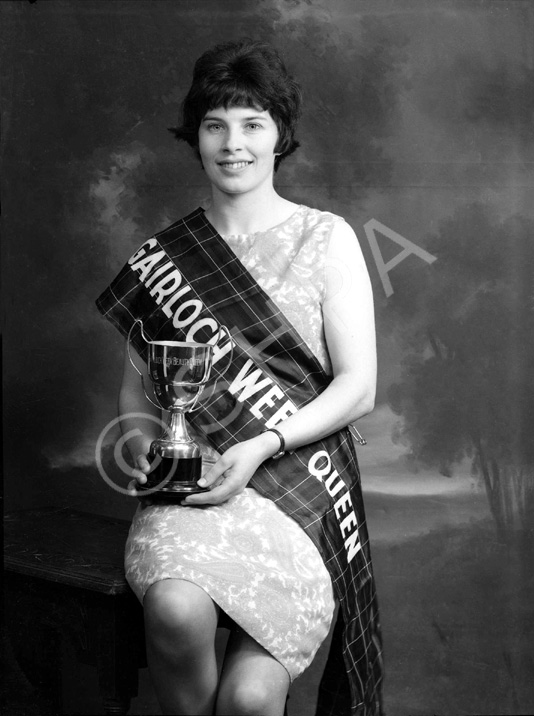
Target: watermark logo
<point x="372" y="227"/>
<point x="108" y="437"/>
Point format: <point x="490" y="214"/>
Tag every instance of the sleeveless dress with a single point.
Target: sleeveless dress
<point x="252" y="559"/>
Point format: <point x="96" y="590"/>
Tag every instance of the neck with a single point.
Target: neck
<point x="245" y="213"/>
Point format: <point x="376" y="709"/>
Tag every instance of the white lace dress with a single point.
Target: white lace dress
<point x="254" y="561"/>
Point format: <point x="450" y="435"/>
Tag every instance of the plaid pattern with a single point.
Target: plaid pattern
<point x="264" y="339"/>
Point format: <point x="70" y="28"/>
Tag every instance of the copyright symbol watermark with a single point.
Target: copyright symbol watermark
<point x="106" y="438"/>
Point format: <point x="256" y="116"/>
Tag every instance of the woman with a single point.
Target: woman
<point x="280" y="532"/>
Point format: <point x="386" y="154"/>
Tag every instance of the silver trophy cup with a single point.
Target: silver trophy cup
<point x="179" y="373"/>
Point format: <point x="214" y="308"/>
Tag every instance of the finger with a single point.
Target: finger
<point x="139" y="476"/>
<point x="215" y="496"/>
<point x="132" y="488"/>
<point x="214" y="474"/>
<point x="142" y="463"/>
<point x="140" y="494"/>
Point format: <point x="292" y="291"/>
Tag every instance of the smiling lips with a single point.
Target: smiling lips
<point x="234" y="165"/>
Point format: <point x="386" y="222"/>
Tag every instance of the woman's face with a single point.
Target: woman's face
<point x="237" y="149"/>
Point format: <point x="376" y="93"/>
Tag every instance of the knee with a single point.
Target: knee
<point x="249" y="699"/>
<point x="175" y="614"/>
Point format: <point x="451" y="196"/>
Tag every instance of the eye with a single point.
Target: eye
<point x="214" y="127"/>
<point x="254" y="126"/>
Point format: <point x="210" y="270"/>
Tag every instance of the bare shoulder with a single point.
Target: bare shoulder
<point x="344" y="246"/>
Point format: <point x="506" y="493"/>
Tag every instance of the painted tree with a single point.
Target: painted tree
<point x="467" y="385"/>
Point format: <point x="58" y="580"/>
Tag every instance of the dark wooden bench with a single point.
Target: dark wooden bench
<point x="64" y="578"/>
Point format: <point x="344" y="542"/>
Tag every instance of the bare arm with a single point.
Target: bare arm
<point x="350" y="336"/>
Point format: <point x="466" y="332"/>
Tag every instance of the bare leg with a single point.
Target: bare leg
<point x="180" y="624"/>
<point x="253" y="683"/>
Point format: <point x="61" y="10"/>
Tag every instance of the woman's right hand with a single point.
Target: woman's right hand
<point x="139" y="474"/>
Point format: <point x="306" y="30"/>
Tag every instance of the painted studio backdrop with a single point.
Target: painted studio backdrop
<point x="418" y="129"/>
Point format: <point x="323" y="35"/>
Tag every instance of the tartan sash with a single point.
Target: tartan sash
<point x="184" y="283"/>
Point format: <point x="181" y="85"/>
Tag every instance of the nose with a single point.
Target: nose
<point x="232" y="140"/>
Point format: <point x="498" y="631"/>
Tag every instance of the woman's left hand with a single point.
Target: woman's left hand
<point x="232" y="472"/>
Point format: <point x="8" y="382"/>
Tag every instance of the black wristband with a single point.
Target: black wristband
<point x="282" y="450"/>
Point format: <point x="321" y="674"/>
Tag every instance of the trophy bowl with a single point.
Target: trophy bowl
<point x="179" y="372"/>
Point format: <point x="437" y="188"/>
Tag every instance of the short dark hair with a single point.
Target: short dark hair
<point x="242" y="74"/>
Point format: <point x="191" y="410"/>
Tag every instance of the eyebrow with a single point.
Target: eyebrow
<point x="212" y="117"/>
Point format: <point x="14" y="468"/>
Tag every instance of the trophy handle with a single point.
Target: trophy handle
<point x="128" y="341"/>
<point x="197" y="405"/>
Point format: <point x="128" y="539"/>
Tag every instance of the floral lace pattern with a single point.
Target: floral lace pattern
<point x="254" y="561"/>
<point x="288" y="262"/>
